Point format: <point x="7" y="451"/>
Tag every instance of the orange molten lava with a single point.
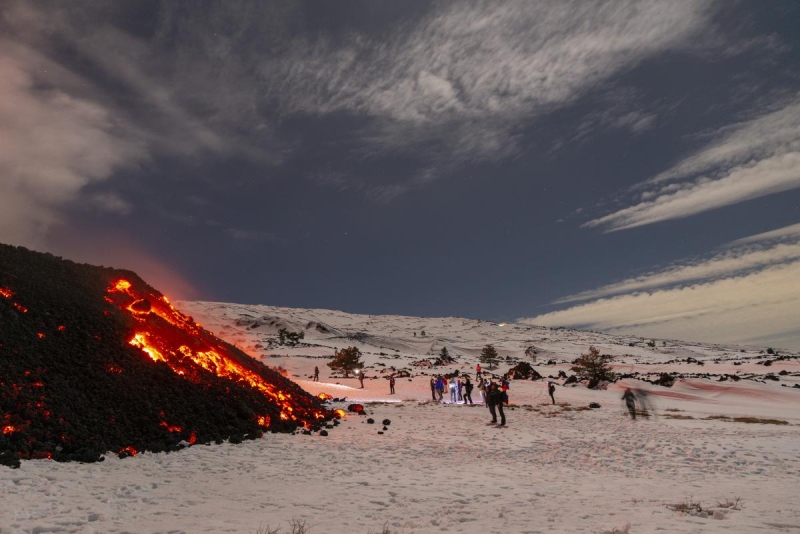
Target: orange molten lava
<point x="192" y="347"/>
<point x="9" y="429"/>
<point x="324" y="396"/>
<point x="129" y="450"/>
<point x="6" y="292"/>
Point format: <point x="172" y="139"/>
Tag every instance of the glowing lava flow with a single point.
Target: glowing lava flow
<point x="166" y="335"/>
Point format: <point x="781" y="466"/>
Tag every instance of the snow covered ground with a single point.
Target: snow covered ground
<point x="439" y="467"/>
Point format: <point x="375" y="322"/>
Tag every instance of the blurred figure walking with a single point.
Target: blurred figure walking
<point x="630" y="402"/>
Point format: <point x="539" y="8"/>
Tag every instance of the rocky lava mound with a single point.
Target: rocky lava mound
<point x="92" y="360"/>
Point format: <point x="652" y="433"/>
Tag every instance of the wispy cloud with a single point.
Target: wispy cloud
<point x="758" y="306"/>
<point x="473" y="72"/>
<point x="746" y="161"/>
<point x="53" y="144"/>
<point x="744" y="294"/>
<point x="787" y="232"/>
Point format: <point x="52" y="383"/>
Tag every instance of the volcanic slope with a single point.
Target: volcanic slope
<point x="409" y="347"/>
<point x="92" y="360"/>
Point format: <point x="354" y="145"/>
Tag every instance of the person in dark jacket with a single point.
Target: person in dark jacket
<point x="433" y="388"/>
<point x="467" y="391"/>
<point x="391" y="384"/>
<point x="551" y="390"/>
<point x="630" y="402"/>
<point x="494" y="398"/>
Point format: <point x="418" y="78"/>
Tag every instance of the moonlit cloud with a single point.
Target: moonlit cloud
<point x="742" y="295"/>
<point x="749" y="160"/>
<point x="742" y="309"/>
<point x="787" y="232"/>
<point x="52" y="146"/>
<point x="479" y="69"/>
<point x="719" y="266"/>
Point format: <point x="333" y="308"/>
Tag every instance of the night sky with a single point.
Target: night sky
<point x="624" y="166"/>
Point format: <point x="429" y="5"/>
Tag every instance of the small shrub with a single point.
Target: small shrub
<point x="299" y="526"/>
<point x="262" y="529"/>
<point x="687" y="506"/>
<point x="346" y="360"/>
<point x="593" y="367"/>
<point x="734" y="503"/>
<point x="488" y="356"/>
<point x="384" y="530"/>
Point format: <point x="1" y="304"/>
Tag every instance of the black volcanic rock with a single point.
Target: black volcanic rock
<point x="73" y="387"/>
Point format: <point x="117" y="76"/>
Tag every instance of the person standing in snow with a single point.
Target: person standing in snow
<point x="551" y="389"/>
<point x="433" y="388"/>
<point x="440" y="387"/>
<point x="316" y="374"/>
<point x="495" y="403"/>
<point x="482" y="389"/>
<point x="477" y="371"/>
<point x="453" y="390"/>
<point x="630" y="402"/>
<point x="459" y="390"/>
<point x="504" y="387"/>
<point x="361" y="378"/>
<point x="467" y="391"/>
<point x="391" y="384"/>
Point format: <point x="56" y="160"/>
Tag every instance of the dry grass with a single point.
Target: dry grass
<point x="760" y="421"/>
<point x="734" y="503"/>
<point x="672" y="410"/>
<point x="677" y="416"/>
<point x="750" y="420"/>
<point x="384" y="530"/>
<point x="296" y="526"/>
<point x="687" y="506"/>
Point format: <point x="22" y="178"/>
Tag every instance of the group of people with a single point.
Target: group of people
<point x="460" y="390"/>
<point x="493" y="394"/>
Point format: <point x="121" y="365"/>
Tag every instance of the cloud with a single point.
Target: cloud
<point x="749" y="160"/>
<point x="473" y="72"/>
<point x="720" y="266"/>
<point x="787" y="232"/>
<point x="53" y="145"/>
<point x="744" y="309"/>
<point x="746" y="294"/>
